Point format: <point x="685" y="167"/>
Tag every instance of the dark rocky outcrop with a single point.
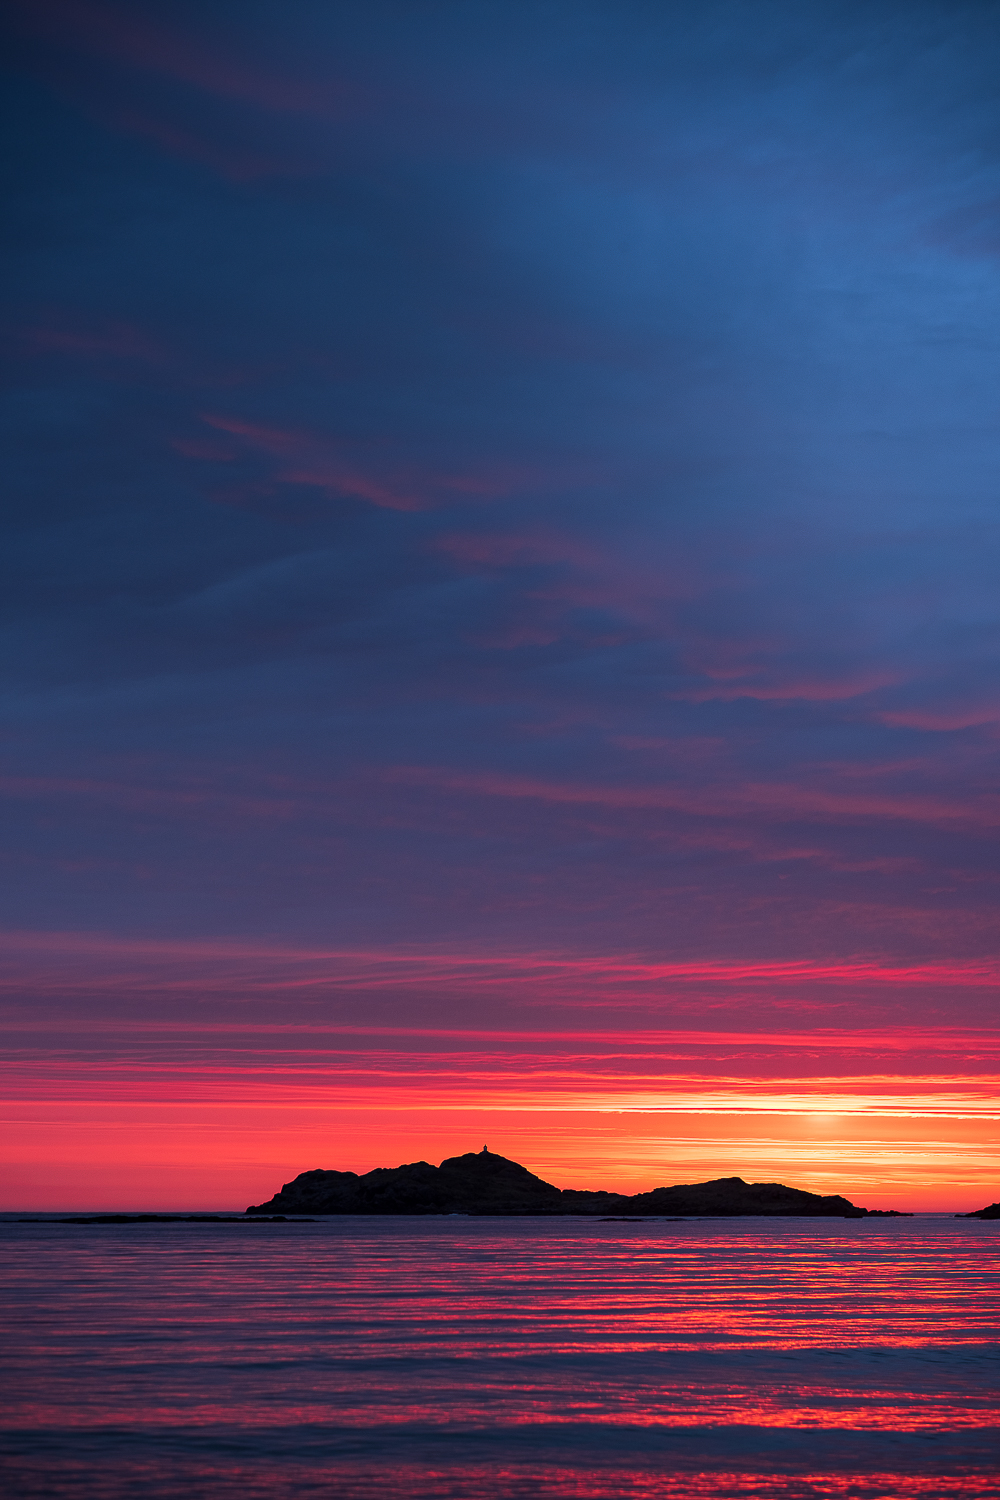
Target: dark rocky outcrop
<point x="484" y="1183"/>
<point x="992" y="1211"/>
<point x="480" y="1183"/>
<point x="731" y="1195"/>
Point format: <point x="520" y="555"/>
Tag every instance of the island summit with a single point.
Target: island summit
<point x="483" y="1183"/>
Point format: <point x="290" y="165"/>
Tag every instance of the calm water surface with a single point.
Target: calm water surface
<point x="391" y="1357"/>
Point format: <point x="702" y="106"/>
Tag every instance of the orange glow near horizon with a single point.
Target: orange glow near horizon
<point x="138" y="1135"/>
<point x="206" y="1074"/>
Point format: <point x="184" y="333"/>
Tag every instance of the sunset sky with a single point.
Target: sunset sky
<point x="500" y="595"/>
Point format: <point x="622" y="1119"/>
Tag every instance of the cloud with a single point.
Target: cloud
<point x="774" y="802"/>
<point x="310" y="460"/>
<point x="466" y="489"/>
<point x="320" y="462"/>
<point x="244" y="966"/>
<point x="790" y="689"/>
<point x="114" y="340"/>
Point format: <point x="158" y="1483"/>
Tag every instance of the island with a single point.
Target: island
<point x="991" y="1211"/>
<point x="483" y="1183"/>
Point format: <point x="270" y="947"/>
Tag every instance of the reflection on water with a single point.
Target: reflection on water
<point x="502" y="1358"/>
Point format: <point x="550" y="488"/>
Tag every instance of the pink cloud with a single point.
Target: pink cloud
<point x="276" y="966"/>
<point x="109" y="340"/>
<point x="498" y="479"/>
<point x="942" y="719"/>
<point x="502" y="550"/>
<point x="269" y="439"/>
<point x="774" y="681"/>
<point x="318" y="461"/>
<point x="778" y="801"/>
<point x="342" y="480"/>
<point x="312" y="460"/>
<point x="637" y="594"/>
<point x="808" y="690"/>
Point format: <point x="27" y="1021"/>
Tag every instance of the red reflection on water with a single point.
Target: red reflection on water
<point x="473" y="1332"/>
<point x="506" y="1481"/>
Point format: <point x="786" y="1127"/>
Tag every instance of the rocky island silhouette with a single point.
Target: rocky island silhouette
<point x="483" y="1183"/>
<point x="991" y="1211"/>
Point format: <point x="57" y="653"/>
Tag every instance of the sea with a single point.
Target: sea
<point x="397" y="1358"/>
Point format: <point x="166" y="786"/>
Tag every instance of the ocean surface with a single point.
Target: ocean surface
<point x="454" y="1357"/>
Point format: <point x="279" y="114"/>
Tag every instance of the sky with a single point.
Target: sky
<point x="499" y="607"/>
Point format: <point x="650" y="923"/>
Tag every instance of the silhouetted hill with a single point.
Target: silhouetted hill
<point x="484" y="1183"/>
<point x="992" y="1211"/>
